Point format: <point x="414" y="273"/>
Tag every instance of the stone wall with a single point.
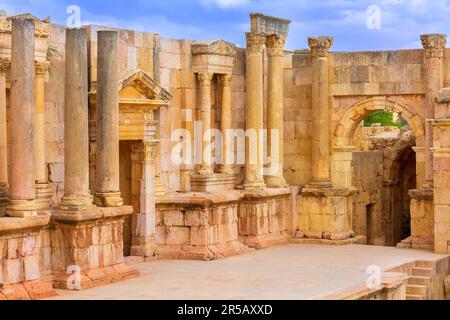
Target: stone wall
<point x="368" y="201"/>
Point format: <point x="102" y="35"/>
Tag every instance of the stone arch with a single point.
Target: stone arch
<point x="359" y="111"/>
<point x="398" y="161"/>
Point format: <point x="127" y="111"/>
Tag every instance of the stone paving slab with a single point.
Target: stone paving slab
<point x="287" y="272"/>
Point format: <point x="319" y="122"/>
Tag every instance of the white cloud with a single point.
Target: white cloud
<point x="225" y="3"/>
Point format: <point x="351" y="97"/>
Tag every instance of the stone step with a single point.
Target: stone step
<point x="423" y="272"/>
<point x="425" y="264"/>
<point x="418" y="280"/>
<point x="414" y="297"/>
<point x="416" y="290"/>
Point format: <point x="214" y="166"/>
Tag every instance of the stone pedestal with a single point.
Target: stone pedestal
<point x="143" y="156"/>
<point x="25" y="269"/>
<point x="212" y="183"/>
<point x="263" y="218"/>
<point x="87" y="248"/>
<point x="327" y="213"/>
<point x="198" y="226"/>
<point x="422" y="220"/>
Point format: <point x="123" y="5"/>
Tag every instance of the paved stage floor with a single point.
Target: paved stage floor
<point x="287" y="272"/>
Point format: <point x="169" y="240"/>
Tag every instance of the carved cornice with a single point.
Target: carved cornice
<point x="225" y="80"/>
<point x="255" y="43"/>
<point x="41" y="67"/>
<point x="320" y="45"/>
<point x="5" y="64"/>
<point x="275" y="45"/>
<point x="215" y="47"/>
<point x="42" y="27"/>
<point x="205" y="78"/>
<point x="434" y="45"/>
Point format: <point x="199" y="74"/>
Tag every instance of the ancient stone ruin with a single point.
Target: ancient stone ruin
<point x="92" y="119"/>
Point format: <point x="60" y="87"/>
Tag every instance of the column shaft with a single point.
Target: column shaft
<point x="76" y="130"/>
<point x="275" y="44"/>
<point x="434" y="45"/>
<point x="320" y="152"/>
<point x="226" y="124"/>
<point x="254" y="112"/>
<point x="4" y="66"/>
<point x="107" y="193"/>
<point x="21" y="120"/>
<point x="205" y="116"/>
<point x="40" y="174"/>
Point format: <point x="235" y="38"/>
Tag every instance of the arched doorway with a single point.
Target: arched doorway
<point x="385" y="212"/>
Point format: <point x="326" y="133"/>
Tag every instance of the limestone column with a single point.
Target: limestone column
<point x="226" y="122"/>
<point x="434" y="45"/>
<point x="43" y="192"/>
<point x="21" y="119"/>
<point x="4" y="67"/>
<point x="143" y="157"/>
<point x="320" y="152"/>
<point x="275" y="52"/>
<point x="205" y="116"/>
<point x="107" y="188"/>
<point x="76" y="129"/>
<point x="254" y="98"/>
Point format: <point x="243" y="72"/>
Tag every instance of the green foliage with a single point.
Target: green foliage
<point x="384" y="118"/>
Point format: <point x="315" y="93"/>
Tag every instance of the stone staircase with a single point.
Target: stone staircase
<point x="419" y="283"/>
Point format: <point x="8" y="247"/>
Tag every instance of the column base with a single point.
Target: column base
<point x="21" y="208"/>
<point x="212" y="183"/>
<point x="254" y="186"/>
<point x="88" y="248"/>
<point x="44" y="195"/>
<point x="76" y="203"/>
<point x="108" y="199"/>
<point x="274" y="182"/>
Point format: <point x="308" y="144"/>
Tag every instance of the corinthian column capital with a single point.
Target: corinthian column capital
<point x="434" y="45"/>
<point x="255" y="43"/>
<point x="225" y="80"/>
<point x="5" y="64"/>
<point x="275" y="45"/>
<point x="41" y="67"/>
<point x="320" y="45"/>
<point x="205" y="78"/>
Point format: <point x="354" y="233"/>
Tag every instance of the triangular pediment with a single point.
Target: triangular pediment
<point x="137" y="87"/>
<point x="138" y="81"/>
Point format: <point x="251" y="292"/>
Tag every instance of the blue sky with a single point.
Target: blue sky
<point x="400" y="25"/>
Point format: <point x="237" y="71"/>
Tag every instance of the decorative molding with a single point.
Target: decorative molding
<point x="215" y="47"/>
<point x="275" y="45"/>
<point x="42" y="27"/>
<point x="434" y="45"/>
<point x="255" y="43"/>
<point x="320" y="45"/>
